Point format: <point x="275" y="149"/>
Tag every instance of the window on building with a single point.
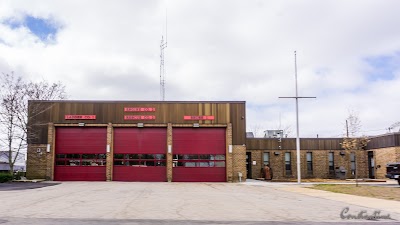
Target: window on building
<point x="204" y="160"/>
<point x="266" y="158"/>
<point x="80" y="159"/>
<point x="331" y="162"/>
<point x="353" y="162"/>
<point x="288" y="163"/>
<point x="309" y="163"/>
<point x="139" y="160"/>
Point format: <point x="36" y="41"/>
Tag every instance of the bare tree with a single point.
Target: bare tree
<point x="394" y="126"/>
<point x="256" y="129"/>
<point x="14" y="96"/>
<point x="287" y="130"/>
<point x="352" y="140"/>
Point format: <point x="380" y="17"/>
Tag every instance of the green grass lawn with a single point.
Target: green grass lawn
<point x="389" y="193"/>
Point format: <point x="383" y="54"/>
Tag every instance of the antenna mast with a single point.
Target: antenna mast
<point x="163" y="45"/>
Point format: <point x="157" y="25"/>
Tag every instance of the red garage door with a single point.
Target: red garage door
<point x="199" y="154"/>
<point x="80" y="154"/>
<point x="139" y="154"/>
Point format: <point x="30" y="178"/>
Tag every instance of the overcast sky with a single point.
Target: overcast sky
<point x="348" y="55"/>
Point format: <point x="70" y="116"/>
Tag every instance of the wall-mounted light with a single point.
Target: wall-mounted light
<point x="196" y="125"/>
<point x="169" y="149"/>
<point x="108" y="148"/>
<point x="81" y="124"/>
<point x="230" y="148"/>
<point x="140" y="125"/>
<point x="48" y="148"/>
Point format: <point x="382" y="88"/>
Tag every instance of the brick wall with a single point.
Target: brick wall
<point x="239" y="162"/>
<point x="397" y="154"/>
<point x="36" y="165"/>
<point x="229" y="156"/>
<point x="256" y="156"/>
<point x="110" y="154"/>
<point x="320" y="163"/>
<point x="383" y="156"/>
<point x="169" y="155"/>
<point x="51" y="134"/>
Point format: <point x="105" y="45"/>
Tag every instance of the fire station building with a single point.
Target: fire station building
<point x="181" y="142"/>
<point x="136" y="141"/>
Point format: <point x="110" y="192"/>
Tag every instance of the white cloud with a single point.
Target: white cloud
<point x="219" y="50"/>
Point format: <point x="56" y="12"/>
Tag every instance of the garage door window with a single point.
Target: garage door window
<point x="199" y="160"/>
<point x="139" y="160"/>
<point x="81" y="159"/>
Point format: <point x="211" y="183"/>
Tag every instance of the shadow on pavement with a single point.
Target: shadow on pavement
<point x="15" y="186"/>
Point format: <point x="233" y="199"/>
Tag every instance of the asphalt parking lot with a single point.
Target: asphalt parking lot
<point x="186" y="203"/>
<point x="14" y="186"/>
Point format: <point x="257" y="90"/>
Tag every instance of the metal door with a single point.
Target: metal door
<point x="140" y="154"/>
<point x="199" y="154"/>
<point x="80" y="154"/>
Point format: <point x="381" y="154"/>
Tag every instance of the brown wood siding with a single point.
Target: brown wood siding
<point x="38" y="122"/>
<point x="290" y="144"/>
<point x="384" y="141"/>
<point x="397" y="139"/>
<point x="238" y="119"/>
<point x="166" y="112"/>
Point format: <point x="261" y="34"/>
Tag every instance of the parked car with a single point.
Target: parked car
<point x="393" y="171"/>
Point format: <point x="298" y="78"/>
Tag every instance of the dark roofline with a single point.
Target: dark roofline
<point x="291" y="138"/>
<point x="133" y="101"/>
<point x="384" y="135"/>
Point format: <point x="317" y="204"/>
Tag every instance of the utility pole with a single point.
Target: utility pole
<point x="297" y="121"/>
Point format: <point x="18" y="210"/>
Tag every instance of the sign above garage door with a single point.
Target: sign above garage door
<point x="198" y="117"/>
<point x="80" y="117"/>
<point x="139" y="109"/>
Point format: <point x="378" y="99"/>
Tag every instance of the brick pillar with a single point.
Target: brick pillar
<point x="110" y="154"/>
<point x="397" y="154"/>
<point x="37" y="163"/>
<point x="239" y="162"/>
<point x="362" y="164"/>
<point x="169" y="155"/>
<point x="50" y="155"/>
<point x="229" y="155"/>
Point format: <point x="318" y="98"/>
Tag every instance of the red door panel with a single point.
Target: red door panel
<point x="144" y="174"/>
<point x="199" y="141"/>
<point x="140" y="140"/>
<point x="129" y="141"/>
<point x="199" y="174"/>
<point x="80" y="173"/>
<point x="79" y="141"/>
